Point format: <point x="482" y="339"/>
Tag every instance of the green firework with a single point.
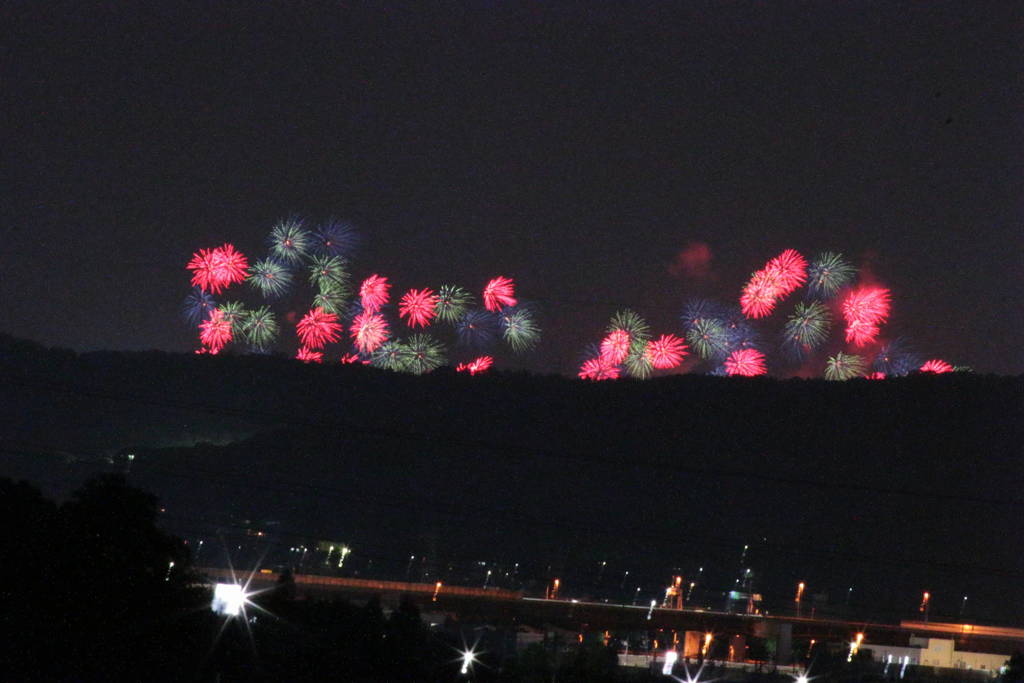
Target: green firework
<point x="424" y="353"/>
<point x="452" y="302"/>
<point x="808" y="326"/>
<point x="331" y="300"/>
<point x="519" y="329"/>
<point x="631" y="322"/>
<point x="827" y="274"/>
<point x="708" y="337"/>
<point x="290" y="241"/>
<point x="844" y="366"/>
<point x="391" y="355"/>
<point x="259" y="327"/>
<point x="637" y="363"/>
<point x="330" y="273"/>
<point x="234" y="312"/>
<point x="270" y="278"/>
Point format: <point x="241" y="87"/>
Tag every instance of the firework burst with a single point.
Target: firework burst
<point x="452" y="302"/>
<point x="828" y="273"/>
<point x="896" y="359"/>
<point x="215" y="332"/>
<point x="864" y="309"/>
<point x="289" y="241"/>
<point x="424" y="353"/>
<point x="629" y="321"/>
<point x="745" y="363"/>
<point x="708" y="337"/>
<point x="518" y="328"/>
<point x="330" y="274"/>
<point x="936" y="367"/>
<point x="270" y="278"/>
<point x="391" y="355"/>
<point x="615" y="346"/>
<point x="843" y="366"/>
<point x="419" y="306"/>
<point x="335" y="238"/>
<point x="790" y="271"/>
<point x="498" y="293"/>
<point x="666" y="352"/>
<point x="700" y="309"/>
<point x="373" y="293"/>
<point x="806" y="329"/>
<point x="477" y="329"/>
<point x="637" y="364"/>
<point x="368" y="330"/>
<point x="197" y="306"/>
<point x="331" y="301"/>
<point x="307" y="355"/>
<point x="259" y="328"/>
<point x="234" y="312"/>
<point x="214" y="270"/>
<point x="476" y="366"/>
<point x="598" y="369"/>
<point x="318" y="328"/>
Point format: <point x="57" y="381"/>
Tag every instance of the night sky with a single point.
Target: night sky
<point x="595" y="153"/>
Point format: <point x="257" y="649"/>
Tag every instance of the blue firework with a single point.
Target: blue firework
<point x="739" y="332"/>
<point x="477" y="329"/>
<point x="335" y="238"/>
<point x="700" y="309"/>
<point x="197" y="306"/>
<point x="897" y="358"/>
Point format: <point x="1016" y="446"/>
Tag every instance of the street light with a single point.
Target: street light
<point x="799" y="594"/>
<point x="924" y="605"/>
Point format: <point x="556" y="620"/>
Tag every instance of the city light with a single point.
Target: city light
<point x="651" y="610"/>
<point x="437" y="589"/>
<point x="708" y="637"/>
<point x="855" y="646"/>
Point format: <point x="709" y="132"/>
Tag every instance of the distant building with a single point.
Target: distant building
<point x="938" y="653"/>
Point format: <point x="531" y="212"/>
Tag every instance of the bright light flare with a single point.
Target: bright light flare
<point x="228" y="599"/>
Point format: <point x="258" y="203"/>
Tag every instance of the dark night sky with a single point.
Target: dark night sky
<point x="578" y="148"/>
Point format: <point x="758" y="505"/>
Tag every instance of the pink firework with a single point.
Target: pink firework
<point x="864" y="309"/>
<point x="373" y="293"/>
<point x="875" y="375"/>
<point x="615" y="347"/>
<point x="598" y="369"/>
<point x="215" y="331"/>
<point x="214" y="270"/>
<point x="369" y="330"/>
<point x="307" y="355"/>
<point x="746" y="363"/>
<point x="667" y="351"/>
<point x="476" y="366"/>
<point x="318" y="328"/>
<point x="419" y="306"/>
<point x="937" y="367"/>
<point x="349" y="359"/>
<point x="790" y="270"/>
<point x="759" y="295"/>
<point x="499" y="292"/>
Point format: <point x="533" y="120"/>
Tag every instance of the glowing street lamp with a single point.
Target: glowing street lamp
<point x="651" y="610"/>
<point x="437" y="589"/>
<point x="670" y="660"/>
<point x="799" y="595"/>
<point x="855" y="646"/>
<point x="708" y="637"/>
<point x="553" y="589"/>
<point x="228" y="599"/>
<point x="924" y="605"/>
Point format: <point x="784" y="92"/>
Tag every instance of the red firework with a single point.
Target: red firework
<point x="499" y="292"/>
<point x="746" y="363"/>
<point x="214" y="270"/>
<point x="476" y="366"/>
<point x="758" y="298"/>
<point x="790" y="270"/>
<point x="215" y="331"/>
<point x="419" y="306"/>
<point x="875" y="375"/>
<point x="864" y="309"/>
<point x="369" y="330"/>
<point x="598" y="369"/>
<point x="615" y="347"/>
<point x="349" y="359"/>
<point x="373" y="293"/>
<point x="307" y="355"/>
<point x="318" y="328"/>
<point x="667" y="351"/>
<point x="937" y="367"/>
